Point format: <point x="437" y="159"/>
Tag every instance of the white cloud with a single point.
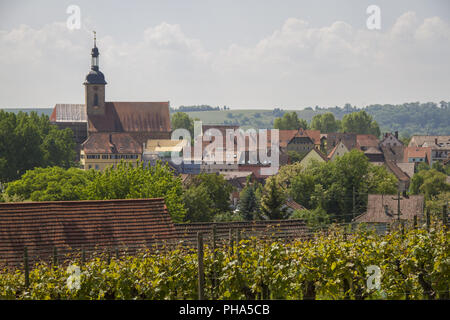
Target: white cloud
<point x="296" y="65"/>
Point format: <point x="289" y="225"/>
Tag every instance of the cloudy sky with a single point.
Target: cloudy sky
<point x="243" y="53"/>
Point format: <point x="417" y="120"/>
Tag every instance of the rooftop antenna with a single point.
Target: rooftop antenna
<point x="95" y="39"/>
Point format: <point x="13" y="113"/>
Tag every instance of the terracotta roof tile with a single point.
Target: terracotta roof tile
<point x="111" y="143"/>
<point x="378" y="204"/>
<point x="132" y="117"/>
<point x="417" y="152"/>
<point x="400" y="175"/>
<point x="69" y="225"/>
<point x="366" y="141"/>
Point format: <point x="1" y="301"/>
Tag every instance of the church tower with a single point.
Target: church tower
<point x="95" y="86"/>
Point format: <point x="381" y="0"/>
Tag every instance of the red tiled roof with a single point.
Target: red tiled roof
<point x="132" y="117"/>
<point x="69" y="225"/>
<point x="378" y="204"/>
<point x="111" y="143"/>
<point x="314" y="135"/>
<point x="367" y="140"/>
<point x="330" y="155"/>
<point x="417" y="152"/>
<point x="393" y="153"/>
<point x="392" y="166"/>
<point x="348" y="139"/>
<point x="284" y="136"/>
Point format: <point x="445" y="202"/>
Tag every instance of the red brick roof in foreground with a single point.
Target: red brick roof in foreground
<point x="378" y="205"/>
<point x="71" y="225"/>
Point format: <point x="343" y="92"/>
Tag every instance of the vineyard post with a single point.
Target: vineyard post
<point x="238" y="239"/>
<point x="214" y="282"/>
<point x="108" y="255"/>
<point x="444" y="216"/>
<point x="83" y="255"/>
<point x="55" y="257"/>
<point x="27" y="267"/>
<point x="117" y="253"/>
<point x="201" y="273"/>
<point x="428" y="219"/>
<point x="415" y="221"/>
<point x="231" y="240"/>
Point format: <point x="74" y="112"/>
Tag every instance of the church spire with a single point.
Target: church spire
<point x="95" y="54"/>
<point x="95" y="76"/>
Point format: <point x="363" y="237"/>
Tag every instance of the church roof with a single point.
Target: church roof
<point x="69" y="113"/>
<point x="111" y="143"/>
<point x="132" y="117"/>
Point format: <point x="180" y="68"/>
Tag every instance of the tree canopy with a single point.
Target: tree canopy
<point x="206" y="196"/>
<point x="126" y="181"/>
<point x="325" y="122"/>
<point x="28" y="141"/>
<point x="332" y="185"/>
<point x="181" y="120"/>
<point x="290" y="121"/>
<point x="361" y="123"/>
<point x="430" y="183"/>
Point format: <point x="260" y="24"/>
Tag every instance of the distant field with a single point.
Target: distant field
<point x="261" y="118"/>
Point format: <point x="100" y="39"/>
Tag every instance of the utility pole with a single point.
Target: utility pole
<point x="398" y="205"/>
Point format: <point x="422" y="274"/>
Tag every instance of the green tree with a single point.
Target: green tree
<point x="430" y="183"/>
<point x="249" y="202"/>
<point x="325" y="122"/>
<point x="50" y="184"/>
<point x="123" y="182"/>
<point x="216" y="192"/>
<point x="290" y="121"/>
<point x="128" y="181"/>
<point x="332" y="185"/>
<point x="181" y="120"/>
<point x="272" y="200"/>
<point x="361" y="123"/>
<point x="199" y="205"/>
<point x="28" y="141"/>
<point x="315" y="219"/>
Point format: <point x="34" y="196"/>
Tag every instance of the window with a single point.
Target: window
<point x="95" y="100"/>
<point x="96" y="167"/>
<point x="105" y="156"/>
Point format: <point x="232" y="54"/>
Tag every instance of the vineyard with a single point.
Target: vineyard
<point x="414" y="264"/>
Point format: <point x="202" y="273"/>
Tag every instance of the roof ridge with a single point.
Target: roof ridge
<point x="81" y="201"/>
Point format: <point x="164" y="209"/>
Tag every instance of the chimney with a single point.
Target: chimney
<point x="396" y="134"/>
<point x="435" y="140"/>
